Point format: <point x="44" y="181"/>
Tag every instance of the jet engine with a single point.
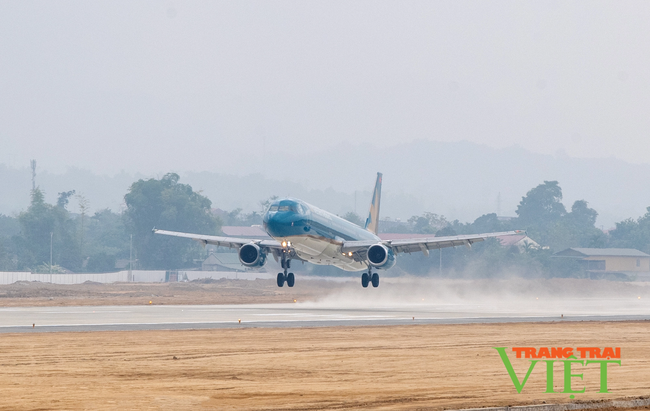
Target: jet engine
<point x="380" y="256"/>
<point x="251" y="255"/>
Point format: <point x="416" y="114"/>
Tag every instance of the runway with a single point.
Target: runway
<point x="176" y="317"/>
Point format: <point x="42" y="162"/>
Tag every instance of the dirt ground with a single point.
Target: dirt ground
<point x="196" y="292"/>
<point x="409" y="289"/>
<point x="412" y="367"/>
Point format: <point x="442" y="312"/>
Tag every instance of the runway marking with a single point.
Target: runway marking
<point x="79" y="312"/>
<point x="234" y="321"/>
<point x="185" y="322"/>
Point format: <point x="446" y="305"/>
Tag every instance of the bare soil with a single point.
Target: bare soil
<point x="199" y="292"/>
<point x="412" y="367"/>
<point x="226" y="291"/>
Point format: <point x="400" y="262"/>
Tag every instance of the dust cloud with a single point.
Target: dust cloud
<point x="494" y="297"/>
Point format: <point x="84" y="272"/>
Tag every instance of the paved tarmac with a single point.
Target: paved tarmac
<point x="156" y="317"/>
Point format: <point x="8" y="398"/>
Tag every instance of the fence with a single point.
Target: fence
<point x="121" y="276"/>
<point x="139" y="276"/>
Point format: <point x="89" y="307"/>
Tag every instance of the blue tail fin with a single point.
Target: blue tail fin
<point x="372" y="222"/>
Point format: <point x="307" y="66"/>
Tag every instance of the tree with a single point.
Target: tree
<point x="9" y="227"/>
<point x="487" y="223"/>
<point x="101" y="263"/>
<point x="5" y="256"/>
<point x="84" y="205"/>
<point x="64" y="198"/>
<point x="632" y="233"/>
<point x="420" y="225"/>
<point x="540" y="212"/>
<point x="581" y="222"/>
<point x="233" y="217"/>
<point x="427" y="223"/>
<point x="354" y="218"/>
<point x="36" y="225"/>
<point x="265" y="204"/>
<point x="581" y="215"/>
<point x="42" y="223"/>
<point x="166" y="204"/>
<point x="541" y="205"/>
<point x="106" y="241"/>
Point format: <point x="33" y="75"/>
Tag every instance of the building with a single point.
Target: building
<point x="254" y="231"/>
<point x="522" y="242"/>
<point x="222" y="262"/>
<point x="625" y="261"/>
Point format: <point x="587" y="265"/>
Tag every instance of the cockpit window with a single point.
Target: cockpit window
<point x="291" y="207"/>
<point x="273" y="208"/>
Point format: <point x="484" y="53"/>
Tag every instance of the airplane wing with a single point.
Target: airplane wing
<point x="230" y="242"/>
<point x="424" y="244"/>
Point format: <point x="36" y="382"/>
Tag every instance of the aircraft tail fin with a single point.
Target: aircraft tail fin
<point x="372" y="222"/>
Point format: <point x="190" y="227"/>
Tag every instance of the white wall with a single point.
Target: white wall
<point x="122" y="276"/>
<point x="139" y="276"/>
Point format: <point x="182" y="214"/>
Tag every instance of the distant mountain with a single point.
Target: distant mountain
<point x="463" y="180"/>
<point x="459" y="180"/>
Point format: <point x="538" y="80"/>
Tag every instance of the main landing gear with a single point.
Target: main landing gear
<point x="282" y="277"/>
<point x="370" y="277"/>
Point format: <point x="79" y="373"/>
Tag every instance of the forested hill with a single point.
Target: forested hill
<point x="459" y="180"/>
<point x="463" y="180"/>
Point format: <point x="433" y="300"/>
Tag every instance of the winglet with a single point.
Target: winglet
<point x="372" y="222"/>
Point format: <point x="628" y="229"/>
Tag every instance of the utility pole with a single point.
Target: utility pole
<point x="131" y="260"/>
<point x="51" y="237"/>
<point x="499" y="204"/>
<point x="83" y="209"/>
<point x="33" y="164"/>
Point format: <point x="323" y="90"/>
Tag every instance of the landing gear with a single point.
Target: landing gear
<point x="369" y="277"/>
<point x="288" y="277"/>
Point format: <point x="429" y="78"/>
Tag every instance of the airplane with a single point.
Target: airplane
<point x="303" y="232"/>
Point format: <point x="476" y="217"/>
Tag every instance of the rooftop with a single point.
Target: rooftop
<point x="508" y="240"/>
<point x="243" y="231"/>
<point x="601" y="252"/>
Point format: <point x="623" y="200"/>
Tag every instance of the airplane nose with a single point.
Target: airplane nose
<point x="273" y="224"/>
<point x="283" y="225"/>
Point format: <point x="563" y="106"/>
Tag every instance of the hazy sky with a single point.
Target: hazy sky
<point x="152" y="85"/>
